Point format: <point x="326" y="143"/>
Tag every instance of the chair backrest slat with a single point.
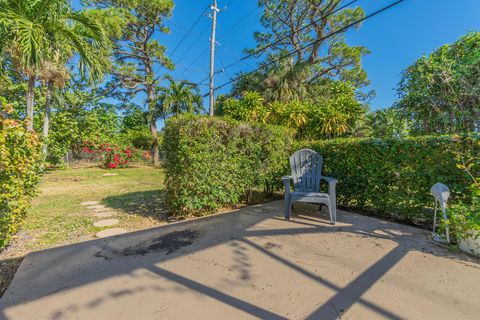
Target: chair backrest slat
<point x="306" y="166"/>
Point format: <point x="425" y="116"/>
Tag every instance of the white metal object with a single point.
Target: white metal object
<point x="441" y="193"/>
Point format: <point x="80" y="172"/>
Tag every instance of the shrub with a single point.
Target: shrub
<point x="19" y="174"/>
<point x="391" y="178"/>
<point x="140" y="139"/>
<point x="113" y="156"/>
<point x="117" y="158"/>
<point x="212" y="162"/>
<point x="465" y="215"/>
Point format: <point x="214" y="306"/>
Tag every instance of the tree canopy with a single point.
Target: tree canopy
<point x="440" y="92"/>
<point x="307" y="29"/>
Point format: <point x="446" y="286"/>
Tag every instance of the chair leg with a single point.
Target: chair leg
<point x="288" y="207"/>
<point x="332" y="209"/>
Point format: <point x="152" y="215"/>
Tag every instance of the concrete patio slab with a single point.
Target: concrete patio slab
<point x="250" y="264"/>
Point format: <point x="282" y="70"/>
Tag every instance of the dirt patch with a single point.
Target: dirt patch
<point x="168" y="243"/>
<point x="8" y="268"/>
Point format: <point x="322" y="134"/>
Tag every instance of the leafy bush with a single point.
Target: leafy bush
<point x="465" y="215"/>
<point x="117" y="158"/>
<point x="333" y="111"/>
<point x="212" y="162"/>
<point x="112" y="156"/>
<point x="392" y="178"/>
<point x="140" y="139"/>
<point x="19" y="173"/>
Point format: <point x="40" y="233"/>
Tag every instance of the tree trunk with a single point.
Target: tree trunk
<point x="153" y="126"/>
<point x="30" y="101"/>
<point x="46" y="119"/>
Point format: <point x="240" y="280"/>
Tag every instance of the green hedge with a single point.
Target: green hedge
<point x="19" y="168"/>
<point x="213" y="162"/>
<point x="392" y="178"/>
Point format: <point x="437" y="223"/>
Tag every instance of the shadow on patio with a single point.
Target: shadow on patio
<point x="250" y="263"/>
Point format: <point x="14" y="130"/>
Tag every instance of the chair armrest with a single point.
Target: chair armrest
<point x="329" y="179"/>
<point x="286" y="183"/>
<point x="332" y="182"/>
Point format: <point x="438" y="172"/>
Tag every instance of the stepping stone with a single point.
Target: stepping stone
<point x="106" y="223"/>
<point x="105" y="214"/>
<point x="98" y="207"/>
<point x="110" y="232"/>
<point x="110" y="174"/>
<point x="89" y="203"/>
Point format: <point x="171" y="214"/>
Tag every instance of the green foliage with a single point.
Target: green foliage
<point x="333" y="111"/>
<point x="140" y="139"/>
<point x="441" y="92"/>
<point x="465" y="215"/>
<point x="19" y="173"/>
<point x="289" y="79"/>
<point x="36" y="30"/>
<point x="178" y="97"/>
<point x="213" y="162"/>
<point x="387" y="123"/>
<point x="138" y="57"/>
<point x="80" y="117"/>
<point x="465" y="219"/>
<point x="392" y="177"/>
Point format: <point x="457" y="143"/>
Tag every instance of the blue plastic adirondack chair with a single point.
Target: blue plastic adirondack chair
<point x="306" y="166"/>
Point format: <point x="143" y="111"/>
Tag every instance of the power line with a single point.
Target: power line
<point x="289" y="35"/>
<point x="193" y="43"/>
<point x="189" y="30"/>
<point x="223" y="63"/>
<point x="343" y="29"/>
<point x="236" y="55"/>
<point x="229" y="30"/>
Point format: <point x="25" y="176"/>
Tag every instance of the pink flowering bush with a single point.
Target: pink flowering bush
<point x="113" y="156"/>
<point x="116" y="157"/>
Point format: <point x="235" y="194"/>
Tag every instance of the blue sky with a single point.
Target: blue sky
<point x="395" y="38"/>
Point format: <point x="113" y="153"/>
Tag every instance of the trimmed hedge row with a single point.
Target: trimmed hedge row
<point x="213" y="162"/>
<point x="392" y="178"/>
<point x="19" y="175"/>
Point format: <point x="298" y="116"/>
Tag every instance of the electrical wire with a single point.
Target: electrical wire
<point x="343" y="29"/>
<point x="189" y="30"/>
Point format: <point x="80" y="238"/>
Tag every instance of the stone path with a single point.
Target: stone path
<point x="107" y="214"/>
<point x="109" y="174"/>
<point x="106" y="223"/>
<point x="110" y="232"/>
<point x="89" y="203"/>
<point x="101" y="211"/>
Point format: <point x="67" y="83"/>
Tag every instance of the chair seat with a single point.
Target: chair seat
<point x="309" y="194"/>
<point x="313" y="197"/>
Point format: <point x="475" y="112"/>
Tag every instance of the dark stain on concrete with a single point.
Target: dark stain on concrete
<point x="270" y="245"/>
<point x="168" y="243"/>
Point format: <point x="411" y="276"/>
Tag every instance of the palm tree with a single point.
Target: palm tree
<point x="179" y="97"/>
<point x="34" y="32"/>
<point x="93" y="61"/>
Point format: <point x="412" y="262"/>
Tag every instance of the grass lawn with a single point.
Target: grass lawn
<point x="57" y="218"/>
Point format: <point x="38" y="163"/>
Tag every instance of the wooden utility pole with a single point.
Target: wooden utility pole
<point x="215" y="10"/>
